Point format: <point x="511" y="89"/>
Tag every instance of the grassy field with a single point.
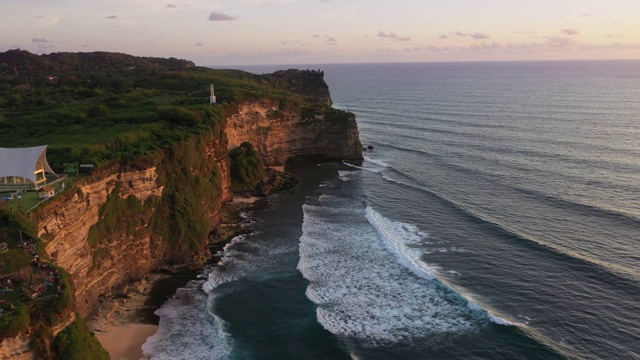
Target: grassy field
<point x="30" y="199"/>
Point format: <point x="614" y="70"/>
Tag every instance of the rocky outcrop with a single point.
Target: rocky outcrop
<point x="99" y="269"/>
<point x="16" y="348"/>
<point x="281" y="134"/>
<point x="308" y="83"/>
<point x="64" y="227"/>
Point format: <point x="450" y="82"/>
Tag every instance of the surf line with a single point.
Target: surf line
<point x="410" y="259"/>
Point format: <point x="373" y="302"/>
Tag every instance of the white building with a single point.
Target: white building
<point x="20" y="166"/>
<point x="212" y="99"/>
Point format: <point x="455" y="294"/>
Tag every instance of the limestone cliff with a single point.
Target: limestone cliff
<point x="98" y="268"/>
<point x="127" y="220"/>
<point x="284" y="133"/>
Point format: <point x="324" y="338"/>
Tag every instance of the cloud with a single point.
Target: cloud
<point x="561" y="41"/>
<point x="479" y="36"/>
<point x="393" y="36"/>
<point x="613" y="36"/>
<point x="330" y="39"/>
<point x="443" y="36"/>
<point x="172" y="6"/>
<point x="475" y="35"/>
<point x="298" y="42"/>
<point x="111" y="17"/>
<point x="570" y="32"/>
<point x="584" y="15"/>
<point x="40" y="40"/>
<point x="315" y="36"/>
<point x="216" y="16"/>
<point x="199" y="44"/>
<point x="85" y="45"/>
<point x="324" y="1"/>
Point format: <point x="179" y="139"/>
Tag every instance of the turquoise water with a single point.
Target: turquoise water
<point x="497" y="217"/>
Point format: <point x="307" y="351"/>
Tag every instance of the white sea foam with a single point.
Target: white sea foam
<point x="396" y="236"/>
<point x="384" y="176"/>
<point x="494" y="319"/>
<point x="375" y="162"/>
<point x="361" y="290"/>
<point x="369" y="169"/>
<point x="346" y="175"/>
<point x="185" y="324"/>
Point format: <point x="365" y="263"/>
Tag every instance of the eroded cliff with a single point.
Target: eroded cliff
<point x="127" y="220"/>
<point x="127" y="201"/>
<point x="282" y="133"/>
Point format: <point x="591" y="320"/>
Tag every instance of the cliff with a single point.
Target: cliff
<point x="284" y="133"/>
<point x="100" y="261"/>
<point x="157" y="197"/>
<point x="100" y="258"/>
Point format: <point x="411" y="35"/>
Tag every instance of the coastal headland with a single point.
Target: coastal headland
<point x="166" y="160"/>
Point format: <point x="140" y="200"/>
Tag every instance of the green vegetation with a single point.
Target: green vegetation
<point x="76" y="342"/>
<point x="15" y="321"/>
<point x="182" y="217"/>
<point x="111" y="221"/>
<point x="102" y="107"/>
<point x="246" y="167"/>
<point x="24" y="275"/>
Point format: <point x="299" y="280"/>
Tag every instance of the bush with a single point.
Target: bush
<point x="77" y="342"/>
<point x="11" y="323"/>
<point x="179" y="116"/>
<point x="246" y="167"/>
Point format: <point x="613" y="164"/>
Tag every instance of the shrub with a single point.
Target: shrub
<point x="246" y="167"/>
<point x="77" y="342"/>
<point x="13" y="322"/>
<point x="179" y="116"/>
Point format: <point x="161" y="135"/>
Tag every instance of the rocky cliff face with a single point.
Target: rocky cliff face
<point x="64" y="227"/>
<point x="308" y="83"/>
<point x="98" y="269"/>
<point x="98" y="265"/>
<point x="283" y="134"/>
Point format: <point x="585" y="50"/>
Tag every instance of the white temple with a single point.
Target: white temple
<point x="212" y="99"/>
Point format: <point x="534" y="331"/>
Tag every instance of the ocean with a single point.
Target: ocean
<point x="497" y="216"/>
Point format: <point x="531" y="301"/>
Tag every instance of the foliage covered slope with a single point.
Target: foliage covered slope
<point x="115" y="106"/>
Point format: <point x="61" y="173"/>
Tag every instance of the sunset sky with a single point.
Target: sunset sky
<point x="245" y="32"/>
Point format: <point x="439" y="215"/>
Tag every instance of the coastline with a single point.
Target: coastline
<point x="124" y="320"/>
<point x="120" y="323"/>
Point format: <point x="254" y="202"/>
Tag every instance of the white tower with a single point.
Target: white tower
<point x="212" y="99"/>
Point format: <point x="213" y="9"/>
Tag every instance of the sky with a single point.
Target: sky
<point x="255" y="32"/>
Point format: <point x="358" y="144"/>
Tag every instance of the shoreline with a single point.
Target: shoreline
<point x="120" y="324"/>
<point x="124" y="320"/>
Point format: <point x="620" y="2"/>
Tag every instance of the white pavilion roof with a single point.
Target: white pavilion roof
<point x="23" y="162"/>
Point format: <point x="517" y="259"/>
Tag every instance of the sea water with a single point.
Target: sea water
<point x="496" y="217"/>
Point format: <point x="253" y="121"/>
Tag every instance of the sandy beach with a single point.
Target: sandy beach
<point x="124" y="342"/>
<point x="120" y="323"/>
<point x="247" y="200"/>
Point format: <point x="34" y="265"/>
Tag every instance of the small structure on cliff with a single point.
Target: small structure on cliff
<point x="212" y="98"/>
<point x="24" y="166"/>
<point x="46" y="192"/>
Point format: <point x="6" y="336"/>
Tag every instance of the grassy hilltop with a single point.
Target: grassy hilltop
<point x="98" y="107"/>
